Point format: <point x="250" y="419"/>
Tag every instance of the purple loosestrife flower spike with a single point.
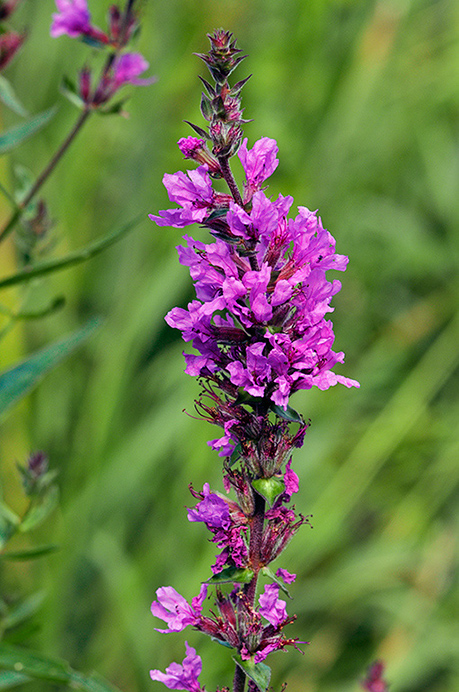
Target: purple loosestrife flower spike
<point x="259" y="332"/>
<point x="175" y="610"/>
<point x="286" y="342"/>
<point x="182" y="677"/>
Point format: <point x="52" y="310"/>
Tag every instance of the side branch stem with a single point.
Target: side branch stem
<point x="44" y="175"/>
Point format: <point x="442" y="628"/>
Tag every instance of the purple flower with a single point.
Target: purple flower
<point x="374" y="681"/>
<point x="286" y="577"/>
<point x="194" y="194"/>
<point x="259" y="163"/>
<point x="212" y="510"/>
<point x="175" y="610"/>
<point x="224" y="444"/>
<point x="262" y="295"/>
<point x="182" y="677"/>
<point x="72" y="18"/>
<point x="291" y="480"/>
<point x="128" y="67"/>
<point x="190" y="146"/>
<point x="271" y="607"/>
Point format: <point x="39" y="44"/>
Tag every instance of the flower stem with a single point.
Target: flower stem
<point x="250" y="590"/>
<point x="228" y="176"/>
<point x="239" y="680"/>
<point x="44" y="175"/>
<point x="256" y="536"/>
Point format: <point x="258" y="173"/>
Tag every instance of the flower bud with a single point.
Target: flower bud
<point x="7" y="9"/>
<point x="194" y="148"/>
<point x="9" y="45"/>
<point x="85" y="85"/>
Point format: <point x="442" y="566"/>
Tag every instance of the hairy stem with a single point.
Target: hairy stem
<point x="239" y="680"/>
<point x="250" y="590"/>
<point x="44" y="175"/>
<point x="228" y="176"/>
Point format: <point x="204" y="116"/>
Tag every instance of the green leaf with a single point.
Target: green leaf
<point x="16" y="135"/>
<point x="287" y="414"/>
<point x="9" y="98"/>
<point x="260" y="673"/>
<point x="36" y="665"/>
<point x="219" y="641"/>
<point x="8" y="514"/>
<point x="9" y="521"/>
<point x="268" y="573"/>
<point x="232" y="574"/>
<point x="90" y="683"/>
<point x="69" y="90"/>
<point x="40" y="511"/>
<point x="19" y="380"/>
<point x="24" y="610"/>
<point x="24" y="179"/>
<point x="33" y="664"/>
<point x="54" y="306"/>
<point x="30" y="553"/>
<point x="236" y="454"/>
<point x="115" y="109"/>
<point x="9" y="678"/>
<point x="269" y="488"/>
<point x="50" y="266"/>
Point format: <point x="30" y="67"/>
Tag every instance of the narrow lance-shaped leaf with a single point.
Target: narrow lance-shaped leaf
<point x="41" y="510"/>
<point x="76" y="257"/>
<point x="24" y="610"/>
<point x="37" y="666"/>
<point x="9" y="679"/>
<point x="16" y="135"/>
<point x="9" y="98"/>
<point x="30" y="553"/>
<point x="19" y="380"/>
<point x="232" y="574"/>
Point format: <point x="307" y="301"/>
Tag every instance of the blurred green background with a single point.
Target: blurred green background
<point x="363" y="99"/>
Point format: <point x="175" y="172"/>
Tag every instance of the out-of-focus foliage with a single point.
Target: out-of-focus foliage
<point x="363" y="98"/>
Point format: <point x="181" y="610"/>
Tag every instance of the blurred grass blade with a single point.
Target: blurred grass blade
<point x="16" y="135"/>
<point x="9" y="98"/>
<point x="72" y="258"/>
<point x="38" y="666"/>
<point x="17" y="382"/>
<point x="9" y="678"/>
<point x="24" y="610"/>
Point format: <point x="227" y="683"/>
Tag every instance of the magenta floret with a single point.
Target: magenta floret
<point x="176" y="612"/>
<point x="72" y="18"/>
<point x="184" y="676"/>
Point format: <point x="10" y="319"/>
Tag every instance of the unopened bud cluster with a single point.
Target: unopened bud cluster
<point x="10" y="41"/>
<point x="73" y="19"/>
